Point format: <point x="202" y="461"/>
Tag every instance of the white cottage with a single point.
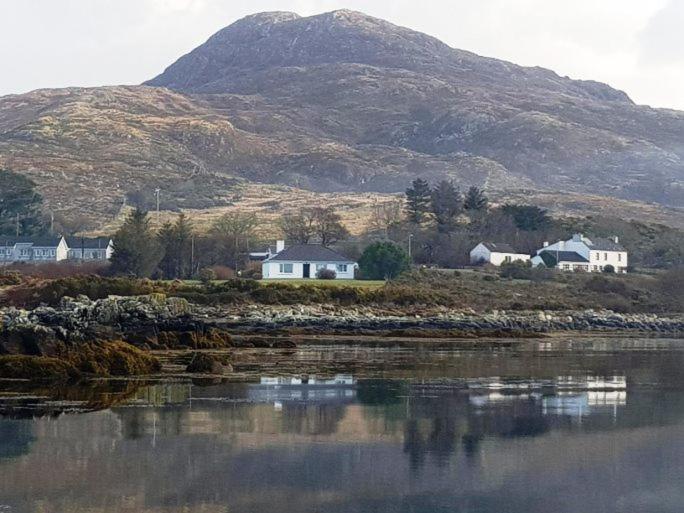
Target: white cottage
<point x="496" y="254"/>
<point x="32" y="249"/>
<point x="302" y="261"/>
<point x="90" y="248"/>
<point x="582" y="253"/>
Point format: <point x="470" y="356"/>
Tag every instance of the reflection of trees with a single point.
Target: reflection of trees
<point x="312" y="419"/>
<point x="16" y="437"/>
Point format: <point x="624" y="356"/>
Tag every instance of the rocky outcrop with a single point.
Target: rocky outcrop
<point x="152" y="321"/>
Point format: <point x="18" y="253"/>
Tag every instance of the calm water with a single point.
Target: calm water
<point x="575" y="426"/>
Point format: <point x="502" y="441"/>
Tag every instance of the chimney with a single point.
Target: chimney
<point x="280" y="245"/>
<point x="616" y="239"/>
<point x="546" y="243"/>
<point x="577" y="237"/>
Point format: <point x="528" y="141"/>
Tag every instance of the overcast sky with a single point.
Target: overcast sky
<point x="634" y="45"/>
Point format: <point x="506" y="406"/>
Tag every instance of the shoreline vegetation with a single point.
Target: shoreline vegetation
<point x="89" y="326"/>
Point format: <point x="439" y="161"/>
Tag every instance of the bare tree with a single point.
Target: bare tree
<point x="386" y="216"/>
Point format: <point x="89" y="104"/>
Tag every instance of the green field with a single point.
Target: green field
<point x="367" y="284"/>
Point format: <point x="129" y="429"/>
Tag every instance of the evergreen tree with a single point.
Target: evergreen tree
<point x="475" y="200"/>
<point x="136" y="250"/>
<point x="176" y="240"/>
<point x="447" y="205"/>
<point x="383" y="261"/>
<point x="528" y="218"/>
<point x="20" y="202"/>
<point x="418" y="199"/>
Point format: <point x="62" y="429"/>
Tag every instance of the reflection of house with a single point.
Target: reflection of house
<point x="306" y="261"/>
<point x="86" y="248"/>
<point x="496" y="254"/>
<point x="33" y="249"/>
<point x="583" y="254"/>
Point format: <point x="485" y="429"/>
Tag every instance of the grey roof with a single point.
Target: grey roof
<point x="48" y="241"/>
<point x="601" y="244"/>
<point x="309" y="253"/>
<point x="551" y="257"/>
<point x="88" y="242"/>
<point x="499" y="247"/>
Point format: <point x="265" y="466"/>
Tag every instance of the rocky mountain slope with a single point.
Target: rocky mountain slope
<point x="338" y="102"/>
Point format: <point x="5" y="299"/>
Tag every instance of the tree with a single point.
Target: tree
<point x="383" y="260"/>
<point x="176" y="240"/>
<point x="386" y="216"/>
<point x="298" y="228"/>
<point x="136" y="250"/>
<point x="20" y="206"/>
<point x="232" y="234"/>
<point x="328" y="226"/>
<point x="475" y="200"/>
<point x="528" y="218"/>
<point x="418" y="200"/>
<point x="447" y="205"/>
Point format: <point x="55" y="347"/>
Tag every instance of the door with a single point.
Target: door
<point x="307" y="271"/>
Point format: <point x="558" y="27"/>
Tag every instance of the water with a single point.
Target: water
<point x="573" y="426"/>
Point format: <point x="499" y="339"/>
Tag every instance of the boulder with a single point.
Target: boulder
<point x="206" y="364"/>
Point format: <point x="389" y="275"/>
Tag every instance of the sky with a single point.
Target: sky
<point x="634" y="45"/>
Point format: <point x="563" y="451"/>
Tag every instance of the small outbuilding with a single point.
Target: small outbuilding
<point x="496" y="253"/>
<point x="305" y="261"/>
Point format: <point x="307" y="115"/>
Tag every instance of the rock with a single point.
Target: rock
<point x="29" y="339"/>
<point x="206" y="364"/>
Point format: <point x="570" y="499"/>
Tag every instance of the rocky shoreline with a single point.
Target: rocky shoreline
<point x="158" y="322"/>
<point x="331" y="319"/>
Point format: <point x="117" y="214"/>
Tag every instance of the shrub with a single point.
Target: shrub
<point x="605" y="285"/>
<point x="207" y="275"/>
<point x="326" y="274"/>
<point x="608" y="269"/>
<point x="8" y="278"/>
<point x="383" y="260"/>
<point x="222" y="272"/>
<point x="32" y="294"/>
<point x="518" y="270"/>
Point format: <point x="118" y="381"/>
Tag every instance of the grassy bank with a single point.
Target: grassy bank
<point x="478" y="290"/>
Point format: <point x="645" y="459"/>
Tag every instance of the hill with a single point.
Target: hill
<point x="340" y="102"/>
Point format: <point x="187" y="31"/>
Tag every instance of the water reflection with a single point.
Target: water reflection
<point x="605" y="436"/>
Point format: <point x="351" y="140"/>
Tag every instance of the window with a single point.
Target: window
<point x="285" y="268"/>
<point x="508" y="258"/>
<point x="320" y="266"/>
<point x="605" y="256"/>
<point x="598" y="256"/>
<point x="619" y="257"/>
<point x="341" y="268"/>
<point x="566" y="267"/>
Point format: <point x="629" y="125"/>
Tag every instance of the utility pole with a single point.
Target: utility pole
<point x="18" y="226"/>
<point x="52" y="222"/>
<point x="410" y="238"/>
<point x="192" y="255"/>
<point x="156" y="192"/>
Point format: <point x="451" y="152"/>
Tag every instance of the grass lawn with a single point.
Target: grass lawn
<point x="368" y="284"/>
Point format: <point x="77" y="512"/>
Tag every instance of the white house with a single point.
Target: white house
<point x="496" y="254"/>
<point x="582" y="253"/>
<point x="305" y="261"/>
<point x="85" y="248"/>
<point x="32" y="249"/>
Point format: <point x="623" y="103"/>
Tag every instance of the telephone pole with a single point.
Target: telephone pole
<point x="157" y="191"/>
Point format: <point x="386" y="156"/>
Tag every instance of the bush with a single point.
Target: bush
<point x="326" y="274"/>
<point x="518" y="270"/>
<point x="605" y="285"/>
<point x="222" y="272"/>
<point x="8" y="278"/>
<point x="609" y="269"/>
<point x="383" y="261"/>
<point x="30" y="295"/>
<point x="207" y="275"/>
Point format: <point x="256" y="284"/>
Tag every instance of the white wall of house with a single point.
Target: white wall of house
<point x="481" y="253"/>
<point x="284" y="270"/>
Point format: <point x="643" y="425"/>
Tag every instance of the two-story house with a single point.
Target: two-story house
<point x="582" y="253"/>
<point x="32" y="249"/>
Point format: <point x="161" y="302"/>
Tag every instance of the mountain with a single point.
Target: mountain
<point x="339" y="102"/>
